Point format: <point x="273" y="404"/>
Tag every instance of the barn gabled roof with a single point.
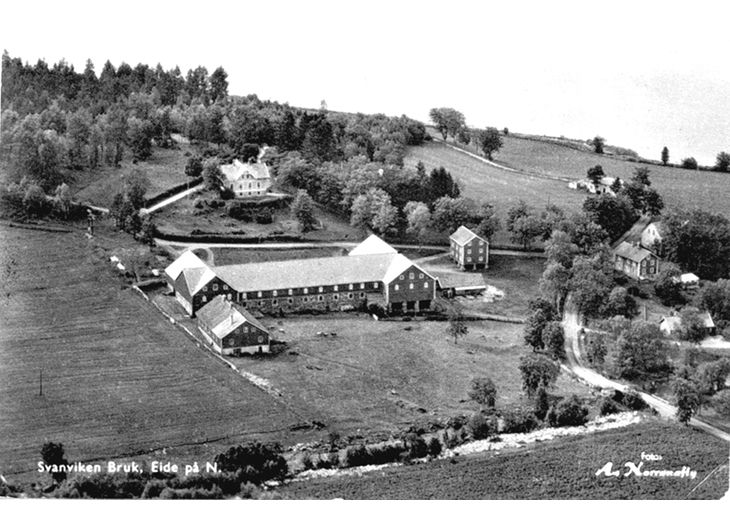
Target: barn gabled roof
<point x="186" y="260"/>
<point x="463" y="235"/>
<point x="307" y="273"/>
<point x="223" y="317"/>
<point x="303" y="273"/>
<point x="372" y="245"/>
<point x="196" y="278"/>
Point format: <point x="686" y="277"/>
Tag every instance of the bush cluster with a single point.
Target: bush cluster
<point x="519" y="422"/>
<point x="631" y="399"/>
<point x="568" y="412"/>
<point x="238" y="211"/>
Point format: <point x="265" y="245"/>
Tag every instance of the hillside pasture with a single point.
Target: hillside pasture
<point x="382" y="375"/>
<point x="564" y="469"/>
<point x="118" y="378"/>
<point x="686" y="189"/>
<point x="165" y="169"/>
<point x="679" y="188"/>
<point x="485" y="183"/>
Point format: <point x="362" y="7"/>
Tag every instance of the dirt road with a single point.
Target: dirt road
<point x="576" y="366"/>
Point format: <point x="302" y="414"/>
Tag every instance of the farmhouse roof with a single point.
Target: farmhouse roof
<point x="608" y="181"/>
<point x="372" y="245"/>
<point x="303" y="273"/>
<point x="186" y="260"/>
<point x="463" y="235"/>
<point x="224" y="317"/>
<point x="672" y="323"/>
<point x="632" y="252"/>
<point x="237" y="170"/>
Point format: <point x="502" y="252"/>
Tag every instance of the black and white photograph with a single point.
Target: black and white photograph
<point x="386" y="250"/>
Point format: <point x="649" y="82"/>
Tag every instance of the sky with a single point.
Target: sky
<point x="641" y="74"/>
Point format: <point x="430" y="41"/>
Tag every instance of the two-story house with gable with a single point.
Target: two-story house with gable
<point x="468" y="250"/>
<point x="246" y="179"/>
<point x="636" y="262"/>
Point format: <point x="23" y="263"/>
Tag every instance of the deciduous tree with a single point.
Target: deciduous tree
<point x="553" y="339"/>
<point x="598" y="143"/>
<point x="490" y="141"/>
<point x="419" y="220"/>
<point x="722" y="162"/>
<point x="483" y="392"/>
<point x="447" y="120"/>
<point x="451" y="213"/>
<point x="689" y="163"/>
<point x="688" y="399"/>
<point x="665" y="156"/>
<point x="303" y="210"/>
<point x="537" y="371"/>
<point x="457" y="323"/>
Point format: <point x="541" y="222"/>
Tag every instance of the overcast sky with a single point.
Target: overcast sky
<point x="641" y="76"/>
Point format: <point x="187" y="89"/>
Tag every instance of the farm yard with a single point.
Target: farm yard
<point x="118" y="379"/>
<point x="380" y="376"/>
<point x="516" y="277"/>
<point x="562" y="469"/>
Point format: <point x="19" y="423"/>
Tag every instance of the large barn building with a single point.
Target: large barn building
<point x="373" y="272"/>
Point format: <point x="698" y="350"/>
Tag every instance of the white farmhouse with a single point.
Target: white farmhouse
<point x="247" y="179"/>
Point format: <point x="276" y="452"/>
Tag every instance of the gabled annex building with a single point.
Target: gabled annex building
<point x="232" y="330"/>
<point x="373" y="272"/>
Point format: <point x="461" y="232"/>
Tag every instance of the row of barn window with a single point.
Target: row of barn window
<point x="320" y="298"/>
<point x="320" y="289"/>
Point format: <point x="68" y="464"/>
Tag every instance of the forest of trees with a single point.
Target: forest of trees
<point x="57" y="121"/>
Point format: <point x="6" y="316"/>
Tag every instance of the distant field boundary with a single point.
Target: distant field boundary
<point x="486" y="161"/>
<point x="34" y="227"/>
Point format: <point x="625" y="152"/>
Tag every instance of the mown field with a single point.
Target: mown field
<point x="564" y="469"/>
<point x="382" y="375"/>
<point x="679" y="188"/>
<point x="117" y="377"/>
<point x="165" y="169"/>
<point x="485" y="183"/>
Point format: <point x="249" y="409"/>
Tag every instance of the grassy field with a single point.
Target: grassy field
<point x="164" y="169"/>
<point x="486" y="183"/>
<point x="565" y="469"/>
<point x="117" y="377"/>
<point x="383" y="375"/>
<point x="679" y="188"/>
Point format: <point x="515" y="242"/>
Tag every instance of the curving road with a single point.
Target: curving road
<point x="576" y="366"/>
